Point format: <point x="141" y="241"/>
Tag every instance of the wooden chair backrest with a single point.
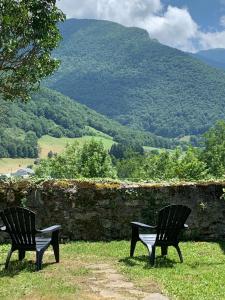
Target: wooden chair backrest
<point x="20" y="224"/>
<point x="171" y="220"/>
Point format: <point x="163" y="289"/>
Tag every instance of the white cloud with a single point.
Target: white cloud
<point x="174" y="28"/>
<point x="171" y="25"/>
<point x="222" y="21"/>
<point x="127" y="12"/>
<point x="212" y="40"/>
<point x="124" y="11"/>
<point x="78" y="9"/>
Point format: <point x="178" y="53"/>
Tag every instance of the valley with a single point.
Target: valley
<point x="124" y="74"/>
<point x="115" y="85"/>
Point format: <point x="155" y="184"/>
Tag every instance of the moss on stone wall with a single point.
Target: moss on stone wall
<point x="94" y="210"/>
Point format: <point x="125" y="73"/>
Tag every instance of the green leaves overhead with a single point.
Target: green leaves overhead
<point x="28" y="34"/>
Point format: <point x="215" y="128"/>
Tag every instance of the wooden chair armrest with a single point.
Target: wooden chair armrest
<point x="50" y="229"/>
<point x="142" y="225"/>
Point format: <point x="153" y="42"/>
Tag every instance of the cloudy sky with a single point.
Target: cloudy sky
<point x="189" y="25"/>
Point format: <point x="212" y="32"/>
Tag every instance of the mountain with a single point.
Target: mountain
<point x="52" y="113"/>
<point x="213" y="57"/>
<point x="124" y="74"/>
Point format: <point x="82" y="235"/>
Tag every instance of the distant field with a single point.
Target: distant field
<point x="148" y="149"/>
<point x="57" y="145"/>
<point x="9" y="165"/>
<point x="48" y="143"/>
<point x="185" y="138"/>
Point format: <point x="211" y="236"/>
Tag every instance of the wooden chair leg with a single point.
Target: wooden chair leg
<point x="39" y="256"/>
<point x="179" y="253"/>
<point x="55" y="244"/>
<point x="164" y="250"/>
<point x="132" y="246"/>
<point x="8" y="258"/>
<point x="152" y="256"/>
<point x="21" y="254"/>
<point x="134" y="239"/>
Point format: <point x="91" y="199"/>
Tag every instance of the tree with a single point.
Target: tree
<point x="88" y="161"/>
<point x="188" y="165"/>
<point x="3" y="152"/>
<point x="178" y="165"/>
<point x="126" y="150"/>
<point x="28" y="34"/>
<point x="50" y="154"/>
<point x="214" y="151"/>
<point x="12" y="150"/>
<point x="131" y="168"/>
<point x="95" y="161"/>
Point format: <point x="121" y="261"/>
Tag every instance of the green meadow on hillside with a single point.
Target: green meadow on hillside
<point x="10" y="165"/>
<point x="46" y="144"/>
<point x="51" y="113"/>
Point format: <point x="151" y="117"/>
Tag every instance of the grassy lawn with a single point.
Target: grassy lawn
<point x="201" y="276"/>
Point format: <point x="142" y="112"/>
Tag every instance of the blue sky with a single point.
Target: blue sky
<point x="206" y="13"/>
<point x="189" y="25"/>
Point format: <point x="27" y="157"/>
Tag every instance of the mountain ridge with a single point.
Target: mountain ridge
<point x="213" y="57"/>
<point x="49" y="112"/>
<point x="122" y="73"/>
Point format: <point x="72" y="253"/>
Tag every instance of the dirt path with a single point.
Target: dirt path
<point x="107" y="283"/>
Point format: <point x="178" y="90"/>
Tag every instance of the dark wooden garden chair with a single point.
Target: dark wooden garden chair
<point x="19" y="223"/>
<point x="171" y="221"/>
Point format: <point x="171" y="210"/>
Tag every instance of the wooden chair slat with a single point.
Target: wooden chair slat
<point x="17" y="226"/>
<point x="32" y="227"/>
<point x="12" y="228"/>
<point x="22" y="227"/>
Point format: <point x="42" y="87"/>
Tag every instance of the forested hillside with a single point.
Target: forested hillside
<point x="49" y="112"/>
<point x="122" y="73"/>
<point x="213" y="57"/>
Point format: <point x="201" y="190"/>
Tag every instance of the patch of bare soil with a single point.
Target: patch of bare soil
<point x="95" y="281"/>
<point x="107" y="283"/>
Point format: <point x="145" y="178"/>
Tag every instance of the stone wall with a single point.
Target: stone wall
<point x="103" y="211"/>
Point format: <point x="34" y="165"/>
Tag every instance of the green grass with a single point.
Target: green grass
<point x="201" y="276"/>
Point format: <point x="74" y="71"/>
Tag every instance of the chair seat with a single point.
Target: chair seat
<point x="148" y="239"/>
<point x="42" y="243"/>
